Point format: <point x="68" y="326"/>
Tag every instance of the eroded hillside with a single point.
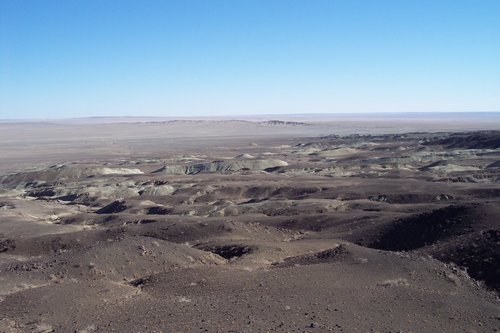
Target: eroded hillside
<point x="392" y="232"/>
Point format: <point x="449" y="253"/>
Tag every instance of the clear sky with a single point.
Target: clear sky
<point x="72" y="58"/>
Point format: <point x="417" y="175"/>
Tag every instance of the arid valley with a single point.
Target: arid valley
<point x="256" y="225"/>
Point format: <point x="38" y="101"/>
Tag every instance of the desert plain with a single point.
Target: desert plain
<point x="349" y="224"/>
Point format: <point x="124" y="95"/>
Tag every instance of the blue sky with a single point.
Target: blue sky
<point x="76" y="58"/>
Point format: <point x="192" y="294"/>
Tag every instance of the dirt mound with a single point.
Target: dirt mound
<point x="222" y="166"/>
<point x="6" y="244"/>
<point x="494" y="165"/>
<point x="409" y="198"/>
<point x="113" y="208"/>
<point x="436" y="164"/>
<point x="116" y="260"/>
<point x="340" y="252"/>
<point x="477" y="140"/>
<point x="425" y="229"/>
<point x="43" y="192"/>
<point x="335" y="152"/>
<point x="158" y="190"/>
<point x="479" y="253"/>
<point x="65" y="172"/>
<point x="158" y="210"/>
<point x="244" y="156"/>
<point x="446" y="166"/>
<point x="466" y="235"/>
<point x="7" y="205"/>
<point x="478" y="178"/>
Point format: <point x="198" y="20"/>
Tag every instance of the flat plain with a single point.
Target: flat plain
<point x="250" y="225"/>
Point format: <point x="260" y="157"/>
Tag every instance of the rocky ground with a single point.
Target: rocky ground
<point x="352" y="233"/>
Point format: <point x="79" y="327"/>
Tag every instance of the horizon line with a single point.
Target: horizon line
<point x="235" y="116"/>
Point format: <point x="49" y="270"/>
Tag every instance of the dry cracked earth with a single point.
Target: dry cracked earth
<point x="354" y="233"/>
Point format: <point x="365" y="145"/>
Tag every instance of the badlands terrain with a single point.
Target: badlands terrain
<point x="250" y="226"/>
